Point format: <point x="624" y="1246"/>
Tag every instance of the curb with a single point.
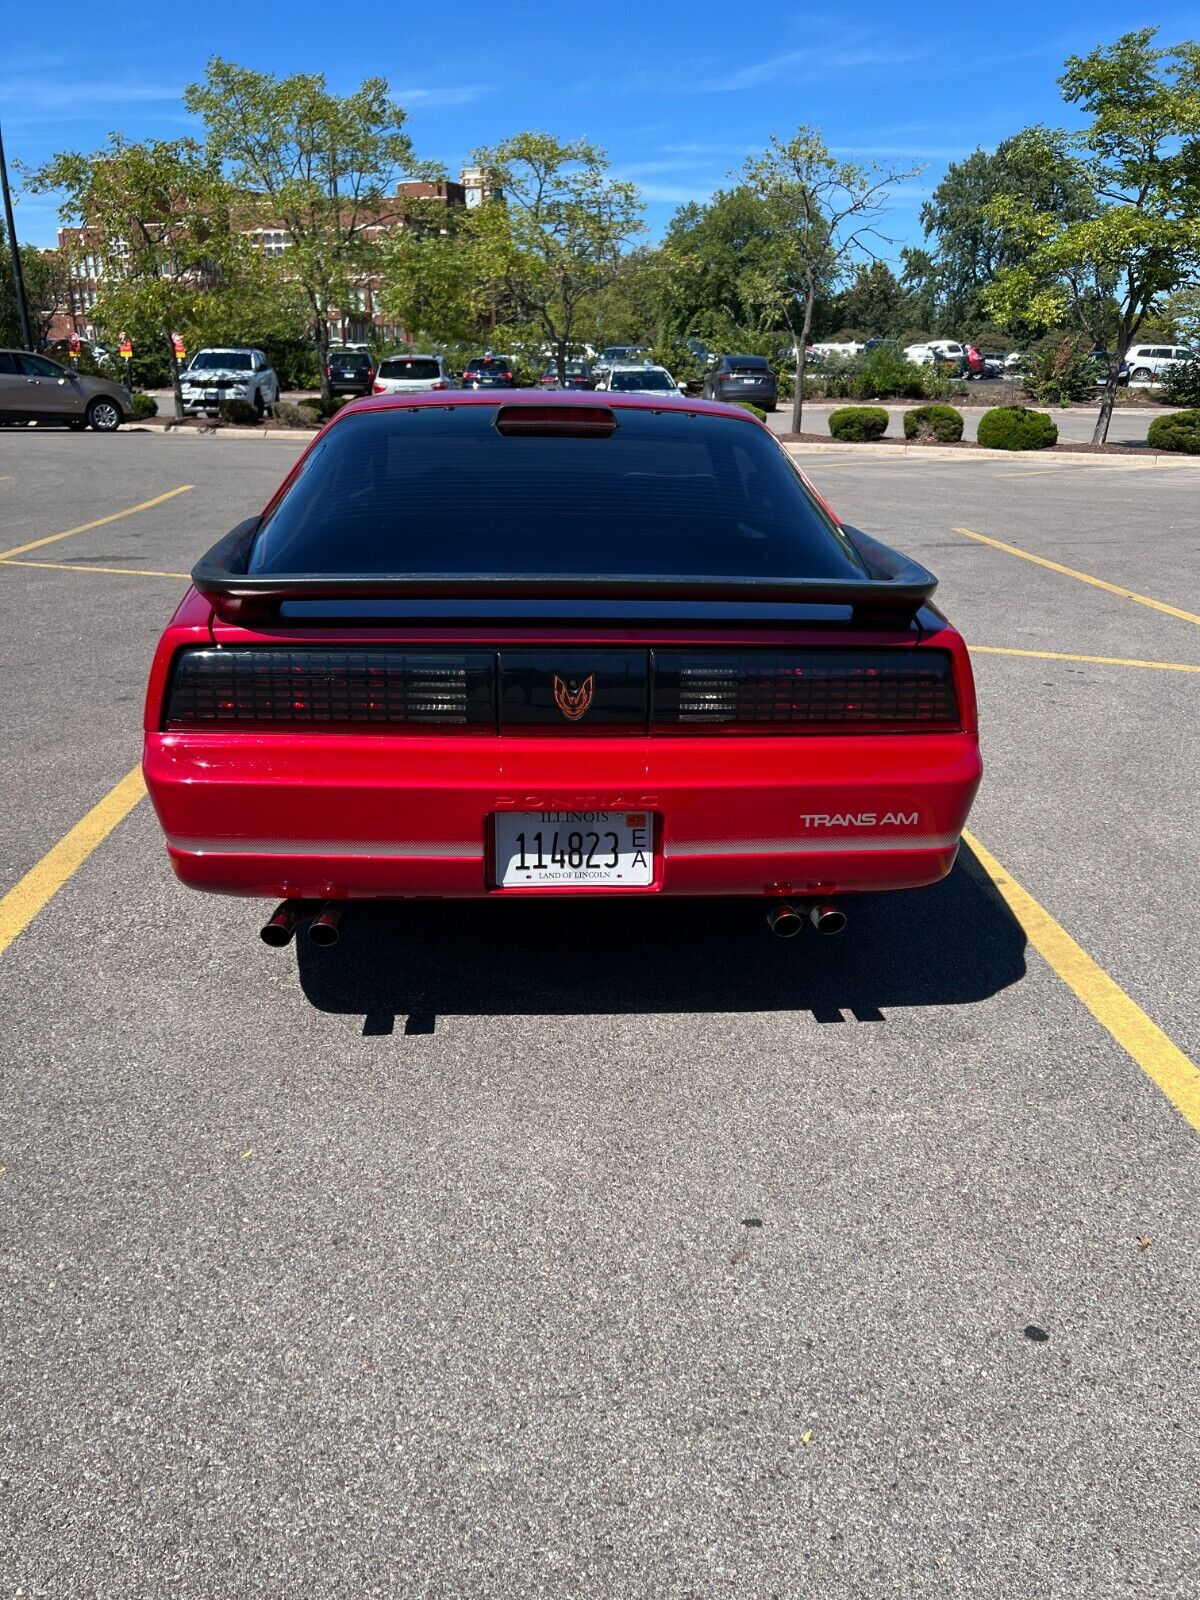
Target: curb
<point x="289" y="435"/>
<point x="980" y="453"/>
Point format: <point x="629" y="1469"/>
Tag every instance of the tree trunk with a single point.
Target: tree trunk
<point x="321" y="337"/>
<point x="561" y="348"/>
<point x="1108" y="399"/>
<point x="801" y="350"/>
<point x="173" y="368"/>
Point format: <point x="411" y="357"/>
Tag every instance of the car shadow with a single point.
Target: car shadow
<point x="952" y="944"/>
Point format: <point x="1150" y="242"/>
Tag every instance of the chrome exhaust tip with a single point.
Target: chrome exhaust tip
<point x="284" y="921"/>
<point x="325" y="927"/>
<point x="826" y="918"/>
<point x="784" y="919"/>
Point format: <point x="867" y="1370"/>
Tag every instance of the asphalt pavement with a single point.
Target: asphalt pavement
<point x="569" y="1251"/>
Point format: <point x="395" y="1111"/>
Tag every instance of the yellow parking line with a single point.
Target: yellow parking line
<point x="84" y="527"/>
<point x="42" y="882"/>
<point x="1084" y="577"/>
<point x="78" y="566"/>
<point x="1096" y="661"/>
<point x="1163" y="1062"/>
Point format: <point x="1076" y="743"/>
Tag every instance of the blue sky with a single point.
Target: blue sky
<point x="678" y="93"/>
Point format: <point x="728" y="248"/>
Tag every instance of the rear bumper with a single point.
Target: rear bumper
<point x="385" y="817"/>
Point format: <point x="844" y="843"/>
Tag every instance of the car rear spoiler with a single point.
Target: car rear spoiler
<point x="896" y="588"/>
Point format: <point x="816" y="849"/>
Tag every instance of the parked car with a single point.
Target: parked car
<point x="363" y="751"/>
<point x="994" y="363"/>
<point x="951" y="352"/>
<point x="974" y="365"/>
<point x="1151" y="362"/>
<point x="1017" y="361"/>
<point x="921" y="355"/>
<point x="577" y="375"/>
<point x="1100" y="362"/>
<point x="33" y="388"/>
<point x="620" y="355"/>
<point x="350" y="371"/>
<point x="489" y="372"/>
<point x="407" y="373"/>
<point x="743" y="378"/>
<point x="638" y="380"/>
<point x="239" y="373"/>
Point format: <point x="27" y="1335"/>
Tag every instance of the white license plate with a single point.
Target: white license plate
<point x="550" y="849"/>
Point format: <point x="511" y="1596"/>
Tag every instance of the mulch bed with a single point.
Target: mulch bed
<point x="1068" y="449"/>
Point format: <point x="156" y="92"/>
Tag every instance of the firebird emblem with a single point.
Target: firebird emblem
<point x="573" y="698"/>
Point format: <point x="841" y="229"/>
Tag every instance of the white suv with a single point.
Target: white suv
<point x="1148" y="362"/>
<point x="639" y="380"/>
<point x="234" y="374"/>
<point x="412" y="374"/>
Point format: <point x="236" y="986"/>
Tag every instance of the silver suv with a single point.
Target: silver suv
<point x="234" y="374"/>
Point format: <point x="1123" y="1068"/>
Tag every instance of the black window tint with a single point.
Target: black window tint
<point x="8" y="365"/>
<point x="748" y="364"/>
<point x="409" y="367"/>
<point x="667" y="494"/>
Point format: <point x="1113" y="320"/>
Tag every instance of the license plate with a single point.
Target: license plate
<point x="212" y="394"/>
<point x="552" y="849"/>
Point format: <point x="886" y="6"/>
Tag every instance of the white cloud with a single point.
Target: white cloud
<point x="438" y="97"/>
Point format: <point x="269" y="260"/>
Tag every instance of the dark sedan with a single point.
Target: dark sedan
<point x="743" y="378"/>
<point x="489" y="372"/>
<point x="578" y="375"/>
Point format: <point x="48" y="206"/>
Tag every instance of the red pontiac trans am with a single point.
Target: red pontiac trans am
<point x="588" y="645"/>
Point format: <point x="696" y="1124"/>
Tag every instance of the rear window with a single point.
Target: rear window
<point x="442" y="491"/>
<point x="632" y="382"/>
<point x="747" y="364"/>
<point x="349" y="358"/>
<point x="409" y="367"/>
<point x="479" y="363"/>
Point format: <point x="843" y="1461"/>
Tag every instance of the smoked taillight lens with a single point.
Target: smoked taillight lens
<point x="812" y="687"/>
<point x="241" y="685"/>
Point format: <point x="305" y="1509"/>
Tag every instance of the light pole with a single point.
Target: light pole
<point x="18" y="277"/>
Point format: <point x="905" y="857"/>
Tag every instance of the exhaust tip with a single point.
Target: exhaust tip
<point x="784" y="920"/>
<point x="827" y="918"/>
<point x="282" y="925"/>
<point x="325" y="928"/>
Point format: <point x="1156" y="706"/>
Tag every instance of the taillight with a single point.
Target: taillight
<point x="329" y="372"/>
<point x="370" y="374"/>
<point x="811" y="687"/>
<point x="440" y="384"/>
<point x="378" y="388"/>
<point x="242" y="685"/>
<point x="508" y="375"/>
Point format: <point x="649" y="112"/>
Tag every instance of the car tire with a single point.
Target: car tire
<point x="260" y="405"/>
<point x="1142" y="375"/>
<point x="103" y="415"/>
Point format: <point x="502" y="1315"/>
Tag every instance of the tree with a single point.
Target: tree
<point x="970" y="246"/>
<point x="159" y="217"/>
<point x="1139" y="240"/>
<point x="431" y="273"/>
<point x="875" y="300"/>
<point x="46" y="281"/>
<point x="320" y="167"/>
<point x="824" y="215"/>
<point x="551" y="240"/>
<point x="716" y="257"/>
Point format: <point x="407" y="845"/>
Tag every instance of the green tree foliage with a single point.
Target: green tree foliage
<point x="719" y="256"/>
<point x="823" y="216"/>
<point x="551" y="242"/>
<point x="875" y="300"/>
<point x="321" y="166"/>
<point x="1139" y="157"/>
<point x="970" y="245"/>
<point x="159" y="215"/>
<point x="432" y="276"/>
<point x="45" y="275"/>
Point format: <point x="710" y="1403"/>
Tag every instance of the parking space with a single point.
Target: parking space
<point x="566" y="1250"/>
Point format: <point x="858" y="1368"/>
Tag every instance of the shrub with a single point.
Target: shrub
<point x="1061" y="369"/>
<point x="753" y="409"/>
<point x="323" y="409"/>
<point x="1180" y="431"/>
<point x="1181" y="383"/>
<point x="290" y="415"/>
<point x="1016" y="428"/>
<point x="239" y="412"/>
<point x="856" y="424"/>
<point x="933" y="422"/>
<point x="144" y="405"/>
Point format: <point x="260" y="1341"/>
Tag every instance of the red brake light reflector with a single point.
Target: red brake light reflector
<point x="577" y="422"/>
